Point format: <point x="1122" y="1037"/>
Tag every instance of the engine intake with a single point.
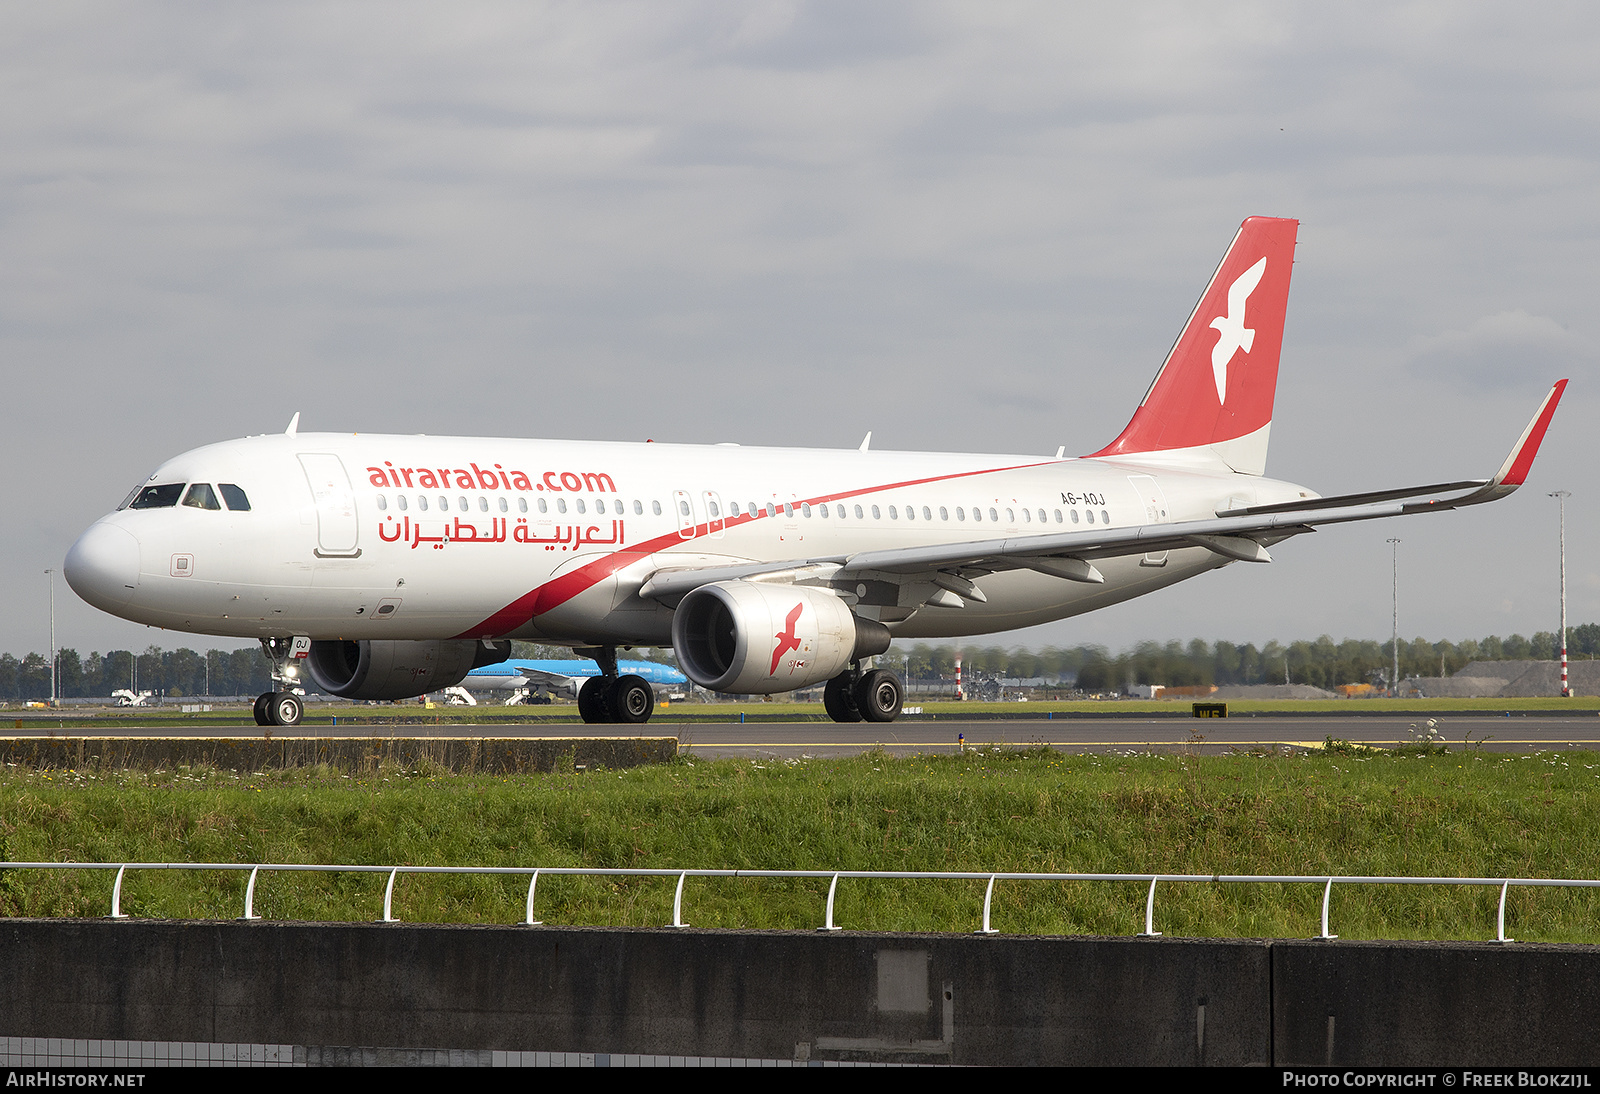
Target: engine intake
<point x="751" y="638"/>
<point x="397" y="670"/>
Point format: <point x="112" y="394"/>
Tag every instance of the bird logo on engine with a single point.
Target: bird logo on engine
<point x="786" y="638"/>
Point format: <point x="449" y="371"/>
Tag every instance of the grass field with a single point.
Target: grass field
<point x="1340" y="812"/>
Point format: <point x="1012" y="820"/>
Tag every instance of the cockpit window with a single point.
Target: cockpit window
<point x="158" y="497"/>
<point x="201" y="496"/>
<point x="234" y="497"/>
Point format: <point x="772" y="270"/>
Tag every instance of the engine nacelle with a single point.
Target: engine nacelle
<point x="752" y="638"/>
<point x="397" y="670"/>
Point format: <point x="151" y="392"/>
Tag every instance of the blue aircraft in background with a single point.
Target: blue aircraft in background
<point x="567" y="677"/>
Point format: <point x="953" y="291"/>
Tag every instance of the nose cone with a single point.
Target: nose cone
<point x="103" y="566"/>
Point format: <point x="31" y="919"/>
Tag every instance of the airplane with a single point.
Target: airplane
<point x="388" y="566"/>
<point x="565" y="677"/>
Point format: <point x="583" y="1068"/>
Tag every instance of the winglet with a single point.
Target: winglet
<point x="294" y="425"/>
<point x="1514" y="472"/>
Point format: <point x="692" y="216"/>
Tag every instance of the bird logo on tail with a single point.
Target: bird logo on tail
<point x="1232" y="334"/>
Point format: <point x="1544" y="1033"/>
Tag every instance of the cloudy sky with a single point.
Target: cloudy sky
<point x="966" y="226"/>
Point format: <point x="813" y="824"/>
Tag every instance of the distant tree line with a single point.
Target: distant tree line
<point x="172" y="672"/>
<point x="1323" y="663"/>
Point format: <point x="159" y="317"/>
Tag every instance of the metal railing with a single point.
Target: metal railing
<point x="533" y="873"/>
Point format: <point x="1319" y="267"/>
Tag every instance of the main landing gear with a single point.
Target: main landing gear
<point x="281" y="707"/>
<point x="853" y="695"/>
<point x="612" y="698"/>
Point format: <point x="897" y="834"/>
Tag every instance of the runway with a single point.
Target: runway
<point x="1534" y="731"/>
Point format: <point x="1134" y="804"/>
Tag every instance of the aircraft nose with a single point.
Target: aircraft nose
<point x="103" y="566"/>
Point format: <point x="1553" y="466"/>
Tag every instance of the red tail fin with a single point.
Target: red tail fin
<point x="1215" y="390"/>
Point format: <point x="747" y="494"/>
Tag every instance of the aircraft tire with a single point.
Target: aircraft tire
<point x="878" y="696"/>
<point x="263" y="717"/>
<point x="631" y="700"/>
<point x="285" y="708"/>
<point x="838" y="700"/>
<point x="592" y="704"/>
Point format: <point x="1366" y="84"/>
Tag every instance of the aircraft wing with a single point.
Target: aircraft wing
<point x="556" y="681"/>
<point x="1236" y="534"/>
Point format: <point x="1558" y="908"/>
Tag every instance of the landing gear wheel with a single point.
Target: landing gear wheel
<point x="263" y="718"/>
<point x="592" y="704"/>
<point x="285" y="708"/>
<point x="878" y="696"/>
<point x="632" y="701"/>
<point x="838" y="699"/>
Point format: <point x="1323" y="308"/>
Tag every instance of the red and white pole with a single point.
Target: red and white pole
<point x="1562" y="496"/>
<point x="960" y="692"/>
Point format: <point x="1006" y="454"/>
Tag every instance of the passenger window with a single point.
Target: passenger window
<point x="994" y="516"/>
<point x="616" y="507"/>
<point x="877" y="514"/>
<point x="382" y="504"/>
<point x="444" y="504"/>
<point x="805" y="508"/>
<point x="655" y="507"/>
<point x="579" y="503"/>
<point x="1088" y="513"/>
<point x="483" y="504"/>
<point x="1042" y="518"/>
<point x="733" y="508"/>
<point x="638" y="508"/>
<point x="772" y="510"/>
<point x="400" y="500"/>
<point x="561" y="505"/>
<point x="715" y="512"/>
<point x="839" y="511"/>
<point x="977" y="514"/>
<point x="1027" y="517"/>
<point x="462" y="504"/>
<point x="893" y="513"/>
<point x="504" y="508"/>
<point x="683" y="508"/>
<point x="1105" y="517"/>
<point x="522" y="505"/>
<point x="961" y="514"/>
<point x="859" y="514"/>
<point x="544" y="506"/>
<point x="944" y="514"/>
<point x="201" y="496"/>
<point x="927" y="514"/>
<point x="911" y="512"/>
<point x="1074" y="516"/>
<point x="158" y="497"/>
<point x="1011" y="518"/>
<point x="234" y="497"/>
<point x="422" y="502"/>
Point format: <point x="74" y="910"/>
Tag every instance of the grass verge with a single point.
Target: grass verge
<point x="1341" y="812"/>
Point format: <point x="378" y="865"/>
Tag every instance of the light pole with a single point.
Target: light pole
<point x="1561" y="497"/>
<point x="51" y="574"/>
<point x="1394" y="641"/>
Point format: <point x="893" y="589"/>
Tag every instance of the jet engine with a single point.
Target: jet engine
<point x="752" y="638"/>
<point x="397" y="670"/>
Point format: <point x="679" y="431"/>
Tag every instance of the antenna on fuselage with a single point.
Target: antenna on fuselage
<point x="866" y="442"/>
<point x="294" y="425"/>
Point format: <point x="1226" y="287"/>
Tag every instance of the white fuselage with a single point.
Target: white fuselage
<point x="362" y="538"/>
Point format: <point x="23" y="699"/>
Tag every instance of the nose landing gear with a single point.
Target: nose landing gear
<point x="283" y="706"/>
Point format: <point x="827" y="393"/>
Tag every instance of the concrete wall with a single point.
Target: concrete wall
<point x="462" y="754"/>
<point x="786" y="995"/>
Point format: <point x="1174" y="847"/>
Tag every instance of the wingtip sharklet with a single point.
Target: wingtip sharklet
<point x="1514" y="472"/>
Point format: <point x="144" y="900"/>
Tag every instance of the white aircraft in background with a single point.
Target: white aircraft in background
<point x="394" y="565"/>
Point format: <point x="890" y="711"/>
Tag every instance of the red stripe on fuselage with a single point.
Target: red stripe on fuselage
<point x="557" y="591"/>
